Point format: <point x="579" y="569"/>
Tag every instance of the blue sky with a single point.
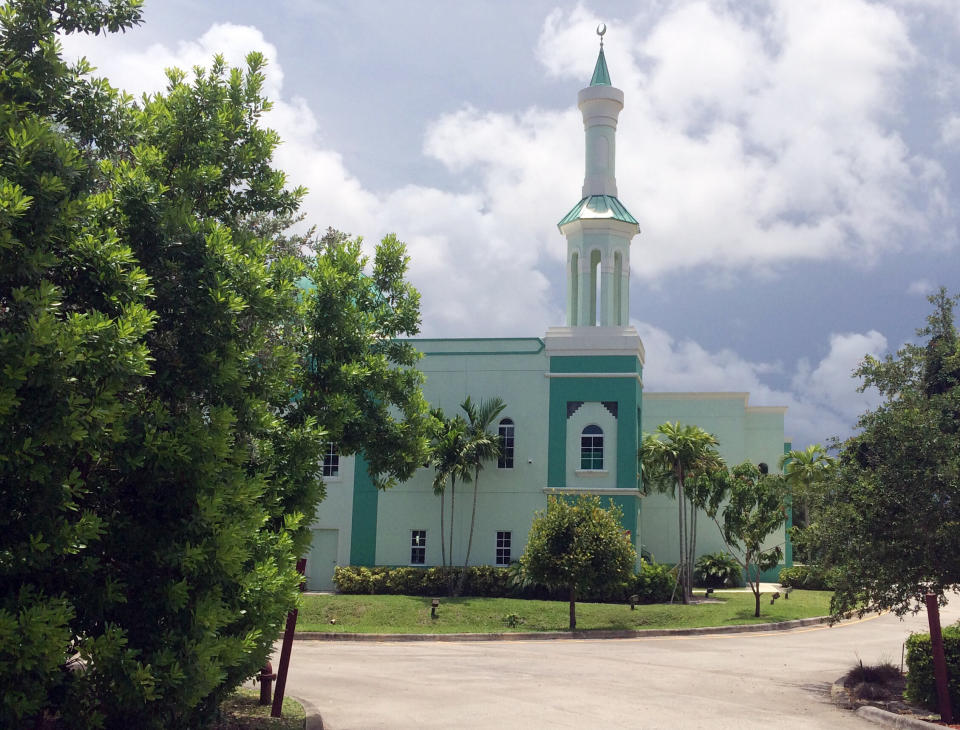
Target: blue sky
<point x="793" y="165"/>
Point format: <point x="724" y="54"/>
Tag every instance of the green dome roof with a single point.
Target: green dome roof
<point x="598" y="207"/>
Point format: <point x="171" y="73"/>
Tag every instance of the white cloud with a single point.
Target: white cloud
<point x="920" y="287"/>
<point x="822" y="400"/>
<point x="950" y="131"/>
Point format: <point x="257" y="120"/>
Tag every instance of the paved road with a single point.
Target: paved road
<point x="765" y="680"/>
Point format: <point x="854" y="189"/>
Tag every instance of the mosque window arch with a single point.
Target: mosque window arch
<point x="591" y="448"/>
<point x="507" y="432"/>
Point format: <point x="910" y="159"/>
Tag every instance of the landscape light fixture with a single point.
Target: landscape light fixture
<point x="433" y="607"/>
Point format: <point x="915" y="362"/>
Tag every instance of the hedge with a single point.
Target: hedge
<point x="808" y="577"/>
<point x="653" y="584"/>
<point x="921" y="687"/>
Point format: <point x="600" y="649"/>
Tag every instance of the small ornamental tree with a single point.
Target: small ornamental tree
<point x="578" y="546"/>
<point x="748" y="506"/>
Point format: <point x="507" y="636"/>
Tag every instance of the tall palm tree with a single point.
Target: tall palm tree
<point x="481" y="446"/>
<point x="449" y="440"/>
<point x="671" y="460"/>
<point x="804" y="468"/>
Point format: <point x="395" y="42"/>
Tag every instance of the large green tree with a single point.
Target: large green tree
<point x="162" y="380"/>
<point x="578" y="546"/>
<point x="888" y="519"/>
<point x="670" y="461"/>
<point x="447" y="457"/>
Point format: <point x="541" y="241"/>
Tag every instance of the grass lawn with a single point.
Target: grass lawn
<point x="411" y="615"/>
<point x="243" y="711"/>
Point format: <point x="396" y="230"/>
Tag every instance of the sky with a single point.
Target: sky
<point x="794" y="166"/>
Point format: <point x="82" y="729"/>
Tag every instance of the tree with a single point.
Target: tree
<point x="158" y="446"/>
<point x="748" y="506"/>
<point x="447" y="457"/>
<point x="362" y="382"/>
<point x="805" y="468"/>
<point x="668" y="459"/>
<point x="888" y="520"/>
<point x="481" y="445"/>
<point x="580" y="547"/>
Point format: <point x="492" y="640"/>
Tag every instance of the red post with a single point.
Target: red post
<point x="266" y="680"/>
<point x="285" y="652"/>
<point x="939" y="659"/>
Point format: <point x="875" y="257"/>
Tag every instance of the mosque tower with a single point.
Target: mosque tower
<point x="599" y="228"/>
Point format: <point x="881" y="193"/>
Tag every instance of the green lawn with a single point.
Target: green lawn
<point x="411" y="615"/>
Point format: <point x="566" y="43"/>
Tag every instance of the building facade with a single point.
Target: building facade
<point x="575" y="410"/>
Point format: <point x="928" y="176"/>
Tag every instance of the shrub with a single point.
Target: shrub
<point x="921" y="687"/>
<point x="717" y="570"/>
<point x="808" y="577"/>
<point x="655" y="583"/>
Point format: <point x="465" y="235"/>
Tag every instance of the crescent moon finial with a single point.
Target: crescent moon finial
<point x="601" y="29"/>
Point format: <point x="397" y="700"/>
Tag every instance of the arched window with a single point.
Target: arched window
<point x="574" y="297"/>
<point x="506" y="432"/>
<point x="591" y="448"/>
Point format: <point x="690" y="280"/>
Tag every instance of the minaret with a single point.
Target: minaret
<point x="599" y="228"/>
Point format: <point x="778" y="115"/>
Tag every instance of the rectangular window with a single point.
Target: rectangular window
<point x="331" y="461"/>
<point x="418" y="547"/>
<point x="507" y="432"/>
<point x="503" y="547"/>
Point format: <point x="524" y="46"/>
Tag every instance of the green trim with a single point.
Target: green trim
<point x="594" y="364"/>
<point x="626" y="393"/>
<point x="363" y="533"/>
<point x="598" y="207"/>
<point x="540" y="346"/>
<point x="601" y="76"/>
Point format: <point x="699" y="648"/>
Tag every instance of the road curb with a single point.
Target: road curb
<point x="552" y="635"/>
<point x="314" y="720"/>
<point x="893" y="720"/>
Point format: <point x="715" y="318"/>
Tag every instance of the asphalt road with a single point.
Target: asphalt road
<point x="763" y="680"/>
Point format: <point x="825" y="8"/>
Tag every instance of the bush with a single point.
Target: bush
<point x="808" y="577"/>
<point x="921" y="687"/>
<point x="655" y="583"/>
<point x="717" y="570"/>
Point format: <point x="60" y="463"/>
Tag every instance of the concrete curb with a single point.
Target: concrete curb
<point x="841" y="698"/>
<point x="893" y="720"/>
<point x="314" y="721"/>
<point x="550" y="635"/>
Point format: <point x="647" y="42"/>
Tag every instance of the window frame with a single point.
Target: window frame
<point x="330" y="466"/>
<point x="503" y="548"/>
<point x="418" y="547"/>
<point x="507" y="443"/>
<point x="591" y="444"/>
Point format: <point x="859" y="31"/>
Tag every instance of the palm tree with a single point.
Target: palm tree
<point x="481" y="445"/>
<point x="671" y="460"/>
<point x="804" y="468"/>
<point x="449" y="440"/>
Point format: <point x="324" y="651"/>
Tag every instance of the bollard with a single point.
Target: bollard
<point x="265" y="679"/>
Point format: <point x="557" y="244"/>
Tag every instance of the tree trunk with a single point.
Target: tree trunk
<point x="573" y="608"/>
<point x="756" y="594"/>
<point x="685" y="579"/>
<point x="473" y="518"/>
<point x="453" y="497"/>
<point x="443" y="544"/>
<point x="692" y="552"/>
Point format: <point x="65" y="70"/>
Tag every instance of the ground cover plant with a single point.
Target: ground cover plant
<point x="411" y="614"/>
<point x="242" y="711"/>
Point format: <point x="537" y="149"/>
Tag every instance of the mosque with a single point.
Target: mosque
<point x="575" y="409"/>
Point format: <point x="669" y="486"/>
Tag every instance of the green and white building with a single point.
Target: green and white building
<point x="576" y="409"/>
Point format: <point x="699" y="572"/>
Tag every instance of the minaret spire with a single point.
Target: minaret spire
<point x="599" y="228"/>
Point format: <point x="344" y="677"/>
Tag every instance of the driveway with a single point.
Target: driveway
<point x="763" y="680"/>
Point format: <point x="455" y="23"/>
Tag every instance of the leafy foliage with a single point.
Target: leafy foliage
<point x="158" y="446"/>
<point x="748" y="506"/>
<point x="921" y="683"/>
<point x="809" y="577"/>
<point x="888" y="520"/>
<point x="362" y="383"/>
<point x="717" y="570"/>
<point x="671" y="460"/>
<point x="580" y="547"/>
